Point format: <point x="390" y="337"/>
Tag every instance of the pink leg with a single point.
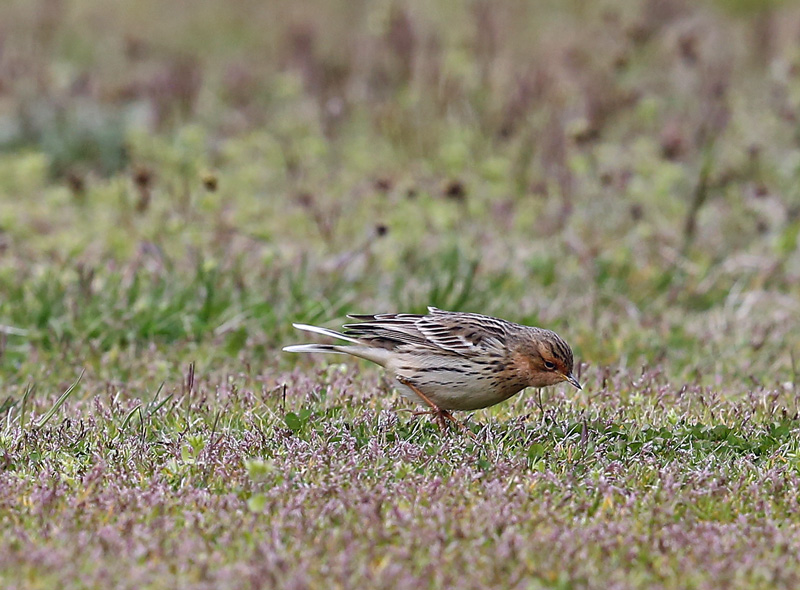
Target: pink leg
<point x="440" y="416"/>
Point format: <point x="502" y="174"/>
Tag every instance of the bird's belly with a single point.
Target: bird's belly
<point x="457" y="388"/>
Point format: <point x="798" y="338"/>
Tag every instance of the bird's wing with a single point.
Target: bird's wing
<point x="388" y="330"/>
<point x="464" y="334"/>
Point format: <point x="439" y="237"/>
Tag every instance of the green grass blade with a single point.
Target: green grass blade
<point x="59" y="402"/>
<point x="128" y="418"/>
<point x="30" y="389"/>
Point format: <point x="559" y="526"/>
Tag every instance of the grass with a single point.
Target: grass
<point x="178" y="187"/>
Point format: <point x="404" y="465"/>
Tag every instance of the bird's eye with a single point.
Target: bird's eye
<point x="549" y="366"/>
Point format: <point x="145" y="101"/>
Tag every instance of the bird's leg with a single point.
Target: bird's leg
<point x="440" y="416"/>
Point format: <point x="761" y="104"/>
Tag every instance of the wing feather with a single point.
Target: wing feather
<point x="465" y="334"/>
<point x="440" y="331"/>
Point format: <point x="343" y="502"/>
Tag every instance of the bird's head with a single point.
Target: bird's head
<point x="548" y="359"/>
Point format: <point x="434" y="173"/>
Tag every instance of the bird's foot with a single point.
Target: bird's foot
<point x="440" y="416"/>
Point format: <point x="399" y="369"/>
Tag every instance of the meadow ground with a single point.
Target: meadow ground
<point x="178" y="185"/>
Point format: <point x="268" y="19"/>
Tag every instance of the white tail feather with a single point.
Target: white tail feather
<point x="377" y="355"/>
<point x="312" y="348"/>
<point x="324" y="332"/>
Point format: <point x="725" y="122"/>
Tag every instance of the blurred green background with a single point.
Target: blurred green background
<point x="181" y="183"/>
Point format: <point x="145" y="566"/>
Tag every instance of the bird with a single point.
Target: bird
<point x="452" y="361"/>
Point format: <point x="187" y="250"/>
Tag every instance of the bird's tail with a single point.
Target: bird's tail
<point x="313" y="348"/>
<point x="361" y="350"/>
<point x="325" y="332"/>
<point x="319" y="347"/>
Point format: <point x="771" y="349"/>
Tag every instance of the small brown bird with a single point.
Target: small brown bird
<point x="450" y="360"/>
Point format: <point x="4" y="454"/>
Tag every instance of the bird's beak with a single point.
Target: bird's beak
<point x="572" y="381"/>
